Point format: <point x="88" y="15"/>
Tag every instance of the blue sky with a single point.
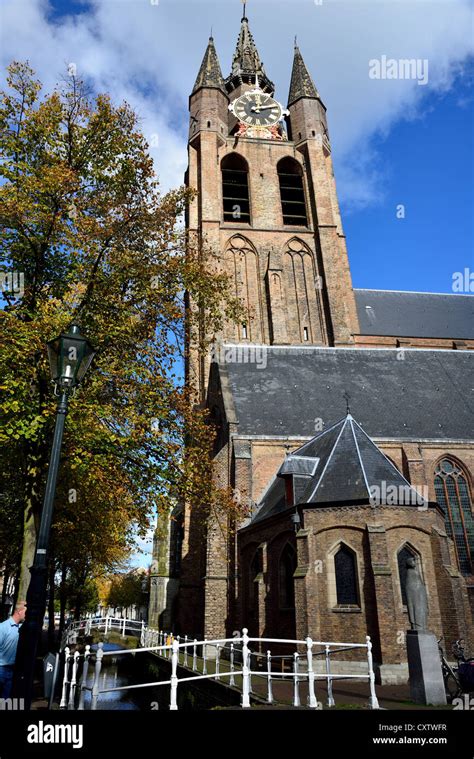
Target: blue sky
<point x="394" y="142"/>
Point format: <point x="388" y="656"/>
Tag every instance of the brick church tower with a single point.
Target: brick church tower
<point x="267" y="202"/>
<point x="266" y="208"/>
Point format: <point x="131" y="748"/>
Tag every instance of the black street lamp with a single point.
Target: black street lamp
<point x="70" y="356"/>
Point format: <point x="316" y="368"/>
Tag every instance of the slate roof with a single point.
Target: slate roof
<point x="210" y="74"/>
<point x="405" y="394"/>
<point x="406" y="314"/>
<point x="340" y="465"/>
<point x="302" y="85"/>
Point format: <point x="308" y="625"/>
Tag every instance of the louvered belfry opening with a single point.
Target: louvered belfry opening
<point x="293" y="202"/>
<point x="235" y="189"/>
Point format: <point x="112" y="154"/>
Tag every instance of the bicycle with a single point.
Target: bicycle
<point x="459" y="679"/>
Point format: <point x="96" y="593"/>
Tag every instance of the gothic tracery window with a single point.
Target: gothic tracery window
<point x="242" y="265"/>
<point x="293" y="202"/>
<point x="235" y="189"/>
<point x="452" y="494"/>
<point x="346" y="576"/>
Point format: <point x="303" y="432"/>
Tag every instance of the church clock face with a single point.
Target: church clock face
<point x="257" y="109"/>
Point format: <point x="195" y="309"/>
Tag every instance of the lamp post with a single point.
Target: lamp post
<point x="70" y="356"/>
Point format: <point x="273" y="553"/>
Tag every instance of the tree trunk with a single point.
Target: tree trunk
<point x="34" y="470"/>
<point x="6" y="577"/>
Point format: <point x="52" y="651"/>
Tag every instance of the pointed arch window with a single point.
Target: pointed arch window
<point x="404" y="553"/>
<point x="345" y="566"/>
<point x="286" y="571"/>
<point x="452" y="493"/>
<point x="293" y="204"/>
<point x="235" y="189"/>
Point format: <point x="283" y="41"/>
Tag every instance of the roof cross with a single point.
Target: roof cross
<point x="347" y="397"/>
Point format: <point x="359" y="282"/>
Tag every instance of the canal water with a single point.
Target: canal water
<point x="116" y="672"/>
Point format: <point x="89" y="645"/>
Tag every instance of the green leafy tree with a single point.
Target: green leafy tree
<point x="83" y="220"/>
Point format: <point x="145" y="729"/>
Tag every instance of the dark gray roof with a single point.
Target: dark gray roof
<point x="343" y="465"/>
<point x="210" y="74"/>
<point x="405" y="314"/>
<point x="302" y="85"/>
<point x="394" y="393"/>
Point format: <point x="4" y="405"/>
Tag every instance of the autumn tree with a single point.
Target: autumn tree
<point x="84" y="223"/>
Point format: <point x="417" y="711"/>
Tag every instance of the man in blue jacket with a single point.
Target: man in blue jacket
<point x="9" y="633"/>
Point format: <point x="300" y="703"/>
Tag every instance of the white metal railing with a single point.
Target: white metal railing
<point x="105" y="624"/>
<point x="186" y="652"/>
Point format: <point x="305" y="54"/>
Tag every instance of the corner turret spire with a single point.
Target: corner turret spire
<point x="302" y="85"/>
<point x="210" y="74"/>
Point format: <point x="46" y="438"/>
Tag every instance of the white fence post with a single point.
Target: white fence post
<point x="178" y="639"/>
<point x="374" y="704"/>
<point x="296" y="686"/>
<point x="269" y="678"/>
<point x="232" y="679"/>
<point x="63" y="702"/>
<point x="245" y="670"/>
<point x="218" y="654"/>
<point x="331" y="701"/>
<point x="195" y="655"/>
<point x="106" y="624"/>
<point x="312" y="701"/>
<point x="72" y="689"/>
<point x="85" y="668"/>
<point x="174" y="677"/>
<point x="204" y="659"/>
<point x="250" y="672"/>
<point x="185" y="660"/>
<point x="123" y="627"/>
<point x="98" y="667"/>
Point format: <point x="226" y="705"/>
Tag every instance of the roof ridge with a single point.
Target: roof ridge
<point x="407" y="292"/>
<point x="351" y="422"/>
<point x="327" y="462"/>
<point x="400" y="474"/>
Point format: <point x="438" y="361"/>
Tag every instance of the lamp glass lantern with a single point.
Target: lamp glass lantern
<point x="70" y="356"/>
<point x="296" y="520"/>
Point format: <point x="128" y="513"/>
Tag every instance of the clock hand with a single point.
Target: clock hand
<point x="262" y="107"/>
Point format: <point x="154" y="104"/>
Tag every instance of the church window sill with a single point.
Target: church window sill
<point x="347" y="609"/>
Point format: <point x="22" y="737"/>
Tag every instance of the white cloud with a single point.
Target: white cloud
<point x="149" y="54"/>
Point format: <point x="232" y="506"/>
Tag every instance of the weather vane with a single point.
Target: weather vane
<point x="347" y="397"/>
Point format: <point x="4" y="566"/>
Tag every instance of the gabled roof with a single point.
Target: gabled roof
<point x="341" y="465"/>
<point x="401" y="394"/>
<point x="409" y="314"/>
<point x="302" y="85"/>
<point x="210" y="74"/>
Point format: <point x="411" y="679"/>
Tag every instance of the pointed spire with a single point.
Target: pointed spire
<point x="302" y="85"/>
<point x="246" y="61"/>
<point x="210" y="74"/>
